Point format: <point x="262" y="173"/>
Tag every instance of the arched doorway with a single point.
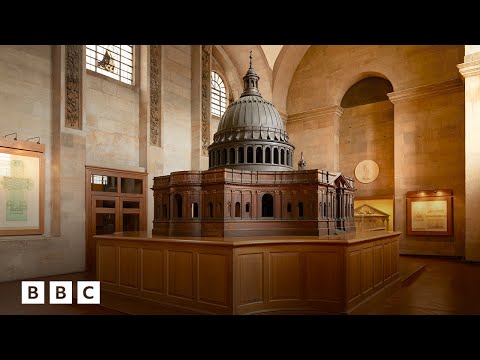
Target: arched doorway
<point x="368" y="112"/>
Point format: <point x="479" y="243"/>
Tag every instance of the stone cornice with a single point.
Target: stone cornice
<point x="421" y="92"/>
<point x="335" y="110"/>
<point x="283" y="115"/>
<point x="471" y="68"/>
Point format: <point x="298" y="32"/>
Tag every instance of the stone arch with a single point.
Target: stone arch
<point x="227" y="70"/>
<point x="346" y="85"/>
<point x="283" y="70"/>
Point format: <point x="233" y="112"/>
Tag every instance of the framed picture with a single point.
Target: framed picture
<point x="22" y="189"/>
<point x="429" y="212"/>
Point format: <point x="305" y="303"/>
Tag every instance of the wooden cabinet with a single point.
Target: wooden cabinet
<point x="115" y="201"/>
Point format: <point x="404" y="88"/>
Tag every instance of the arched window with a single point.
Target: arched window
<point x="224" y="156"/>
<point x="240" y="155"/>
<point x="324" y="210"/>
<point x="289" y="207"/>
<point x="178" y="204"/>
<point x="267" y="205"/>
<point x="282" y="157"/>
<point x="300" y="209"/>
<point x="247" y="207"/>
<point x="232" y="156"/>
<point x="194" y="210"/>
<point x="210" y="209"/>
<point x="114" y="61"/>
<point x="259" y="157"/>
<point x="218" y="95"/>
<point x="164" y="210"/>
<point x="237" y="209"/>
<point x="275" y="156"/>
<point x="268" y="157"/>
<point x="249" y="155"/>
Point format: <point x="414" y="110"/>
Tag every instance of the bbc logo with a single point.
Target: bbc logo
<point x="88" y="292"/>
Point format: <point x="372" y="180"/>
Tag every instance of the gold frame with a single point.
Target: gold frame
<point x="27" y="149"/>
<point x="429" y="195"/>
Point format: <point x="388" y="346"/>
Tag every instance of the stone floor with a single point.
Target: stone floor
<point x="428" y="285"/>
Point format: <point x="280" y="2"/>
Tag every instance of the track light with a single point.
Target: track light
<point x="15" y="138"/>
<point x="35" y="137"/>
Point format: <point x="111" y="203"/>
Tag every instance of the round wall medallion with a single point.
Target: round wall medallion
<point x="366" y="171"/>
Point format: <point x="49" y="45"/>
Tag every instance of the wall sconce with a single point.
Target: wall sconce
<point x="15" y="138"/>
<point x="35" y="137"/>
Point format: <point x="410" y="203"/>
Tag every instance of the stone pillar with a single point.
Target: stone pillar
<point x="470" y="70"/>
<point x="198" y="159"/>
<point x="426" y="119"/>
<point x="150" y="135"/>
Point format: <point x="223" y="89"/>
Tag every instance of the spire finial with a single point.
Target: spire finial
<point x="250" y="59"/>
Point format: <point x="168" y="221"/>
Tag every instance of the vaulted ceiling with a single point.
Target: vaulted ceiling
<point x="271" y="53"/>
<point x="275" y="64"/>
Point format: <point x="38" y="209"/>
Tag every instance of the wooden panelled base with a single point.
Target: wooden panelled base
<point x="251" y="276"/>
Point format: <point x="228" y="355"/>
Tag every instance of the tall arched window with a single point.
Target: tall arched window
<point x="218" y="95"/>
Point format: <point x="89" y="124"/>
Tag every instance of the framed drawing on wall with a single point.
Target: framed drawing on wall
<point x="429" y="212"/>
<point x="22" y="188"/>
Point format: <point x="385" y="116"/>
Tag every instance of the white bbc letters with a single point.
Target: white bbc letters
<point x="88" y="292"/>
<point x="61" y="292"/>
<point x="33" y="292"/>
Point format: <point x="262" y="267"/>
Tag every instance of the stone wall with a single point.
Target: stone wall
<point x="112" y="111"/>
<point x="366" y="133"/>
<point x="112" y="134"/>
<point x="428" y="130"/>
<point x="26" y="108"/>
<point x="177" y="98"/>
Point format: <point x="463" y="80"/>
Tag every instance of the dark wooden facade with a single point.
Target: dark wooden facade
<point x="228" y="202"/>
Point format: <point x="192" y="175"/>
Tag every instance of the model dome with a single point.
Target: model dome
<point x="251" y="134"/>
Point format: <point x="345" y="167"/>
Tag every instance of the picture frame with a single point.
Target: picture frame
<point x="22" y="187"/>
<point x="430" y="212"/>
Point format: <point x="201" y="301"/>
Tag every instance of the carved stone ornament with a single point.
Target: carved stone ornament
<point x="155" y="51"/>
<point x="206" y="69"/>
<point x="366" y="171"/>
<point x="73" y="67"/>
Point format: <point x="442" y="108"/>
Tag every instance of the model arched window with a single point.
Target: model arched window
<point x="210" y="209"/>
<point x="114" y="61"/>
<point x="267" y="205"/>
<point x="195" y="210"/>
<point x="178" y="204"/>
<point x="218" y="95"/>
<point x="237" y="209"/>
<point x="300" y="209"/>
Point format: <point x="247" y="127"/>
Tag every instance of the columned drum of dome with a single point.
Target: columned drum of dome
<point x="252" y="128"/>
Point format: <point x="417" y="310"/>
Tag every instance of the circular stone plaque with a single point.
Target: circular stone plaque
<point x="366" y="171"/>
